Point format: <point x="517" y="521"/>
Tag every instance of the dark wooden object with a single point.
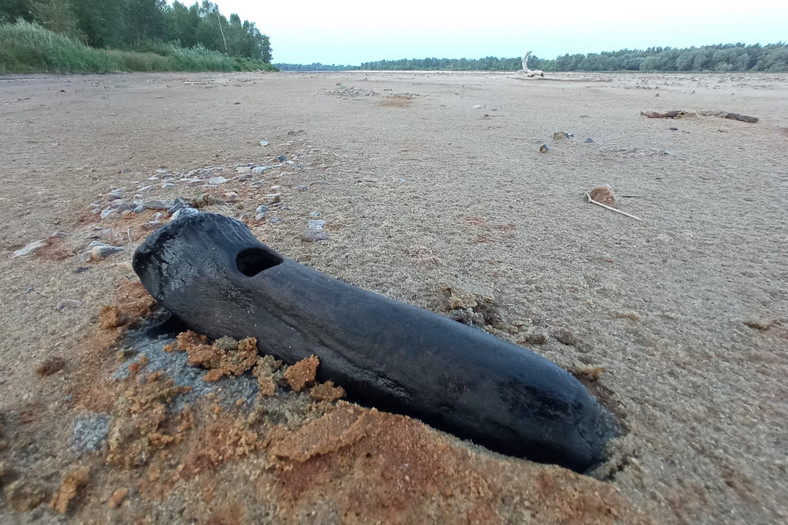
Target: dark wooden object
<point x="212" y="273"/>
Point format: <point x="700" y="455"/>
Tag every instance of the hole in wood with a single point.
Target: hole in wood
<point x="252" y="261"/>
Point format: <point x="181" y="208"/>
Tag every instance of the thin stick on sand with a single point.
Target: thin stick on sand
<point x="588" y="196"/>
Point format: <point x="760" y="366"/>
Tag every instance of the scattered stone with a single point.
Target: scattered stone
<point x="232" y="197"/>
<point x="259" y="213"/>
<point x="152" y="225"/>
<point x="534" y="337"/>
<point x="603" y="195"/>
<point x="161" y="171"/>
<point x="23" y="495"/>
<point x="264" y="143"/>
<point x="157" y="204"/>
<point x="632" y="316"/>
<point x="168" y="185"/>
<point x="275" y="220"/>
<point x="566" y="337"/>
<point x="117" y="498"/>
<point x="544" y="148"/>
<point x="589" y="140"/>
<point x="215" y="181"/>
<point x="477" y="106"/>
<point x="113" y="195"/>
<point x="69" y="303"/>
<point x="179" y="203"/>
<point x="314" y="236"/>
<point x="90" y="432"/>
<point x="316" y="224"/>
<point x="98" y="251"/>
<point x="72" y="483"/>
<point x="108" y="212"/>
<point x="302" y="187"/>
<point x="30" y="248"/>
<point x="561" y="135"/>
<point x="315" y="214"/>
<point x="257" y="170"/>
<point x="274" y="198"/>
<point x="302" y="373"/>
<point x="757" y="324"/>
<point x="243" y="170"/>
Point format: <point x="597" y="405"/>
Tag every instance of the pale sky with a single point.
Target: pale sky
<point x="349" y="32"/>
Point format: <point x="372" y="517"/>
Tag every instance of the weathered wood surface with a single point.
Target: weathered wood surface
<point x="211" y="272"/>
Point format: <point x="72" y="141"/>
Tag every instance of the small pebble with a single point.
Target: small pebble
<point x="264" y="143"/>
<point x="281" y="158"/>
<point x="179" y="203"/>
<point x="315" y="214"/>
<point x="274" y="220"/>
<point x="314" y="236"/>
<point x="215" y="181"/>
<point x="30" y="248"/>
<point x="69" y="303"/>
<point x="544" y="148"/>
<point x="159" y="204"/>
<point x="565" y="337"/>
<point x="274" y="198"/>
<point x="302" y="187"/>
<point x="316" y="224"/>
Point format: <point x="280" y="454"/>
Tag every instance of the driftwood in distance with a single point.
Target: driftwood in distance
<point x="730" y="116"/>
<point x="677" y="113"/>
<point x="212" y="273"/>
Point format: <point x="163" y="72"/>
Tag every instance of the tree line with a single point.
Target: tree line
<point x="133" y="24"/>
<point x="718" y="58"/>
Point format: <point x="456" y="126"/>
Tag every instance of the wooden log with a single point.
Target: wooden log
<point x="731" y="116"/>
<point x="212" y="273"/>
<point x="668" y="114"/>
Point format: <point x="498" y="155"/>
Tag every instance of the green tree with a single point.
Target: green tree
<point x="57" y="16"/>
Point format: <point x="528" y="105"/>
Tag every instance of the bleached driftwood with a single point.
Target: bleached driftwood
<point x="678" y="113"/>
<point x="730" y="116"/>
<point x="531" y="72"/>
<point x="588" y="196"/>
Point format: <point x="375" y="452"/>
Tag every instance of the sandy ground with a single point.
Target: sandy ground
<point x="431" y="185"/>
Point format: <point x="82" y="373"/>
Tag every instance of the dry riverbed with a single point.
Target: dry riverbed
<point x="433" y="191"/>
